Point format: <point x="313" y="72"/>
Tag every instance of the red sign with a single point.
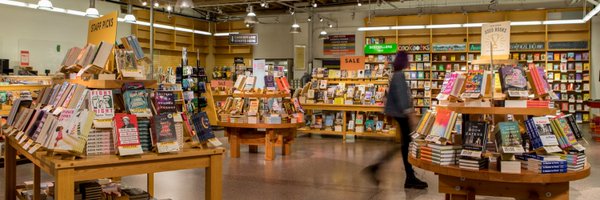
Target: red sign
<point x="24" y="58"/>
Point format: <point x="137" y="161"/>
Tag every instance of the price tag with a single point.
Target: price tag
<point x="215" y="142"/>
<point x="433" y="138"/>
<point x="470" y="153"/>
<point x="578" y="147"/>
<point x="552" y="149"/>
<point x="28" y="144"/>
<point x="34" y="148"/>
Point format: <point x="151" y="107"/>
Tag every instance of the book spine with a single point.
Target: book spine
<point x="550" y="171"/>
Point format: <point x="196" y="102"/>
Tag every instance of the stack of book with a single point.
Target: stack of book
<point x="144" y="129"/>
<point x="575" y="160"/>
<point x="444" y="154"/>
<point x="90" y="190"/>
<point x="547" y="166"/>
<point x="425" y="153"/>
<point x="413" y="148"/>
<point x="472" y="163"/>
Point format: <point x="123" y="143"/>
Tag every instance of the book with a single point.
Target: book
<point x="270" y="83"/>
<point x="474" y="138"/>
<point x="104" y="51"/>
<point x="101" y="102"/>
<point x="202" y="127"/>
<point x="442" y="126"/>
<point x="164" y="102"/>
<point x="475" y="83"/>
<point x="127" y="135"/>
<point x="513" y="81"/>
<point x="540" y="133"/>
<point x="249" y="83"/>
<point x="165" y="137"/>
<point x="510" y="137"/>
<point x="136" y="102"/>
<point x="127" y="64"/>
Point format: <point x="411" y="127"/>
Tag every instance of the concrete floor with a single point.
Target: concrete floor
<point x="319" y="168"/>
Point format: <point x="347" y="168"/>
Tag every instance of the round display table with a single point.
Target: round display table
<point x="459" y="183"/>
<point x="271" y="136"/>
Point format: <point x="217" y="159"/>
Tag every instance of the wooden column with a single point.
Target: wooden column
<point x="150" y="183"/>
<point x="64" y="188"/>
<point x="269" y="145"/>
<point x="214" y="178"/>
<point x="234" y="142"/>
<point x="10" y="171"/>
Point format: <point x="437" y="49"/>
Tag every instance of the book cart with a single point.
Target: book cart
<point x="67" y="171"/>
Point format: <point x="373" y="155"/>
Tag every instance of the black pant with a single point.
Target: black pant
<point x="405" y="130"/>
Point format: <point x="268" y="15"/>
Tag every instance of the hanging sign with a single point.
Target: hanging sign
<point x="238" y="60"/>
<point x="495" y="39"/>
<point x="339" y="45"/>
<point x="243" y="39"/>
<point x="352" y="63"/>
<point x="104" y="29"/>
<point x="380" y="48"/>
<point x="24" y="58"/>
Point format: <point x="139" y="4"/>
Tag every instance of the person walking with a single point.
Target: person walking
<point x="399" y="106"/>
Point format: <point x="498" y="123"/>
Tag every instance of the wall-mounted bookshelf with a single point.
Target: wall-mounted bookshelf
<point x="576" y="72"/>
<point x="224" y="52"/>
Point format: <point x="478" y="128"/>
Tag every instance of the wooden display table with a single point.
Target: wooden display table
<point x="66" y="172"/>
<point x="275" y="135"/>
<point x="459" y="183"/>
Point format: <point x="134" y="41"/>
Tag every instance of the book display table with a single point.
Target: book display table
<point x="459" y="183"/>
<point x="275" y="135"/>
<point x="66" y="172"/>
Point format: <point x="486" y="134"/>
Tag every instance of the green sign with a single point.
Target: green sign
<point x="475" y="47"/>
<point x="380" y="48"/>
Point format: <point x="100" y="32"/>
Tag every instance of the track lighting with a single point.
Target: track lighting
<point x="169" y="8"/>
<point x="330" y="25"/>
<point x="320" y="19"/>
<point x="309" y="18"/>
<point x="144" y="3"/>
<point x="92" y="11"/>
<point x="314" y="4"/>
<point x="45" y="5"/>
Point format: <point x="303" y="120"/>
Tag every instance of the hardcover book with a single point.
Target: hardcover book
<point x="127" y="135"/>
<point x="164" y="102"/>
<point x="510" y="137"/>
<point x="202" y="127"/>
<point x="164" y="133"/>
<point x="136" y="102"/>
<point x="475" y="136"/>
<point x="514" y="81"/>
<point x="101" y="102"/>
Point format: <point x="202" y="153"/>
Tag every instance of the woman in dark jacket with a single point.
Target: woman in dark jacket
<point x="399" y="106"/>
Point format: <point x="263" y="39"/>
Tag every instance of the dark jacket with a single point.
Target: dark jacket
<point x="399" y="101"/>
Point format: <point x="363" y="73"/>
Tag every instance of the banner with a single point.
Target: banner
<point x="381" y="48"/>
<point x="339" y="45"/>
<point x="495" y="39"/>
<point x="104" y="29"/>
<point x="352" y="63"/>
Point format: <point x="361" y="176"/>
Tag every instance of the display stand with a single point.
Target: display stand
<point x="275" y="135"/>
<point x="458" y="183"/>
<point x="66" y="172"/>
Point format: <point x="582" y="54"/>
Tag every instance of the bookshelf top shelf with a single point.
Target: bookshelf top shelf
<point x="461" y="108"/>
<point x="341" y="107"/>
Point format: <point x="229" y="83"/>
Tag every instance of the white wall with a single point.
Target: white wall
<point x="41" y="32"/>
<point x="345" y="26"/>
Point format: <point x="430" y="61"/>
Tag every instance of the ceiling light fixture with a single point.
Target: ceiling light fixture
<point x="570" y="21"/>
<point x="250" y="18"/>
<point x="469" y="25"/>
<point x="129" y="18"/>
<point x="592" y="13"/>
<point x="407" y="27"/>
<point x="144" y="3"/>
<point x="184" y="4"/>
<point x="314" y="4"/>
<point x="169" y="8"/>
<point x="44" y="5"/>
<point x="320" y="19"/>
<point x="156" y="4"/>
<point x="323" y="35"/>
<point x="444" y="26"/>
<point x="295" y="27"/>
<point x="525" y="23"/>
<point x="309" y="18"/>
<point x="92" y="11"/>
<point x="374" y="28"/>
<point x="330" y="25"/>
<point x="264" y="4"/>
<point x="358" y="3"/>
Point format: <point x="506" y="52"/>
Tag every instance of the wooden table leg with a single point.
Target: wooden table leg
<point x="234" y="142"/>
<point x="36" y="182"/>
<point x="10" y="172"/>
<point x="214" y="178"/>
<point x="269" y="145"/>
<point x="253" y="148"/>
<point x="65" y="184"/>
<point x="150" y="181"/>
<point x="286" y="148"/>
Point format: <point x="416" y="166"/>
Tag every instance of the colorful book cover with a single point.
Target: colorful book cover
<point x="510" y="137"/>
<point x="270" y="83"/>
<point x="202" y="126"/>
<point x="475" y="135"/>
<point x="163" y="127"/>
<point x="165" y="102"/>
<point x="127" y="135"/>
<point x="136" y="102"/>
<point x="473" y="82"/>
<point x="441" y="123"/>
<point x="514" y="80"/>
<point x="101" y="102"/>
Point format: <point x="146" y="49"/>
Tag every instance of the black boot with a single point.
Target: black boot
<point x="371" y="173"/>
<point x="414" y="182"/>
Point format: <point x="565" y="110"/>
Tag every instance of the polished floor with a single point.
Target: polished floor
<point x="319" y="168"/>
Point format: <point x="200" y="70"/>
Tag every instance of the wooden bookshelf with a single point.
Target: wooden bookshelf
<point x="168" y="44"/>
<point x="545" y="34"/>
<point x="225" y="53"/>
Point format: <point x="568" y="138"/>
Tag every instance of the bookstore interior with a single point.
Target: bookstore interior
<point x="497" y="99"/>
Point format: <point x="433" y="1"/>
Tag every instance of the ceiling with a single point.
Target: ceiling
<point x="226" y="9"/>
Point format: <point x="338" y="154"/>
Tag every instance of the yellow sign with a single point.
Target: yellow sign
<point x="495" y="40"/>
<point x="104" y="29"/>
<point x="352" y="63"/>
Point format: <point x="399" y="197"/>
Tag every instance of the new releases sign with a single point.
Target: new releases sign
<point x="339" y="45"/>
<point x="243" y="39"/>
<point x="495" y="39"/>
<point x="352" y="63"/>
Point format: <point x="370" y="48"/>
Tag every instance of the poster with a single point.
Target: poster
<point x="299" y="52"/>
<point x="495" y="40"/>
<point x="352" y="62"/>
<point x="24" y="58"/>
<point x="258" y="70"/>
<point x="339" y="45"/>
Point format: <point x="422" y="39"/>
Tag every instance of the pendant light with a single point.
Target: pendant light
<point x="92" y="11"/>
<point x="45" y="5"/>
<point x="295" y="27"/>
<point x="184" y="4"/>
<point x="129" y="18"/>
<point x="323" y="35"/>
<point x="251" y="17"/>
